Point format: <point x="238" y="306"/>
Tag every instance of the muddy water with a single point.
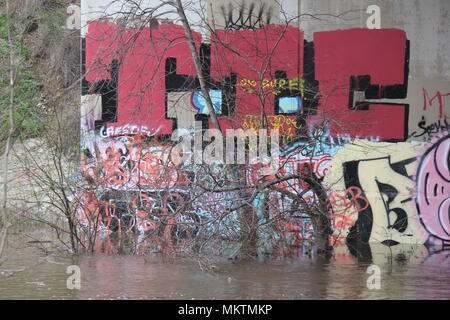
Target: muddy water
<point x="407" y="272"/>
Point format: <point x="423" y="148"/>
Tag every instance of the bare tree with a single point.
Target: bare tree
<point x="4" y="224"/>
<point x="38" y="139"/>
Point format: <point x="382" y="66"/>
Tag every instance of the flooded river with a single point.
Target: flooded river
<point x="406" y="272"/>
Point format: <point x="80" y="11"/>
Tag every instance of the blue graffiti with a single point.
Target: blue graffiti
<point x="199" y="101"/>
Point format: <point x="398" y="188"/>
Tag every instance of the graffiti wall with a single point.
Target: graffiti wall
<point x="350" y="103"/>
<point x="378" y="179"/>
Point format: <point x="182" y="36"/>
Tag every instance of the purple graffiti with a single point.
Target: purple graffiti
<point x="433" y="194"/>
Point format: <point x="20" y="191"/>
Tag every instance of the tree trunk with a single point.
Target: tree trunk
<point x="3" y="235"/>
<point x="320" y="218"/>
<point x="198" y="64"/>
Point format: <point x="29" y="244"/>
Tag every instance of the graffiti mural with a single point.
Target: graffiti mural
<point x="131" y="162"/>
<point x="355" y="65"/>
<point x="349" y="112"/>
<point x="402" y="192"/>
<point x="352" y="82"/>
<point x="433" y="189"/>
<point x="381" y="179"/>
<point x="430" y="117"/>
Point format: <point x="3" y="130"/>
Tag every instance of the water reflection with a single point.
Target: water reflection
<point x="407" y="272"/>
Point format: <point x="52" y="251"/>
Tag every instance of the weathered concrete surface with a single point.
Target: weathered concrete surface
<point x="425" y="22"/>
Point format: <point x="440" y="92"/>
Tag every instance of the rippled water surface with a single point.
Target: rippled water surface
<point x="407" y="272"/>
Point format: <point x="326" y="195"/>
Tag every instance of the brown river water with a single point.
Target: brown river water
<point x="406" y="272"/>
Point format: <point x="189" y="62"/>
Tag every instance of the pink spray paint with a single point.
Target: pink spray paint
<point x="433" y="189"/>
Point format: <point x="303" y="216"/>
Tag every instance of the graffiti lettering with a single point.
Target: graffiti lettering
<point x="126" y="130"/>
<point x="428" y="102"/>
<point x="359" y="55"/>
<point x="430" y="130"/>
<point x="277" y="85"/>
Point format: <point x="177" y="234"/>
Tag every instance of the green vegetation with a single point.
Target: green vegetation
<point x="28" y="119"/>
<point x="52" y="19"/>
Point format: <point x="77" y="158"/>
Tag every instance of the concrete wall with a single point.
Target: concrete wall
<point x="383" y="151"/>
<point x="425" y="23"/>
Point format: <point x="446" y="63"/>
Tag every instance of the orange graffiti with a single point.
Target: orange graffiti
<point x="345" y="206"/>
